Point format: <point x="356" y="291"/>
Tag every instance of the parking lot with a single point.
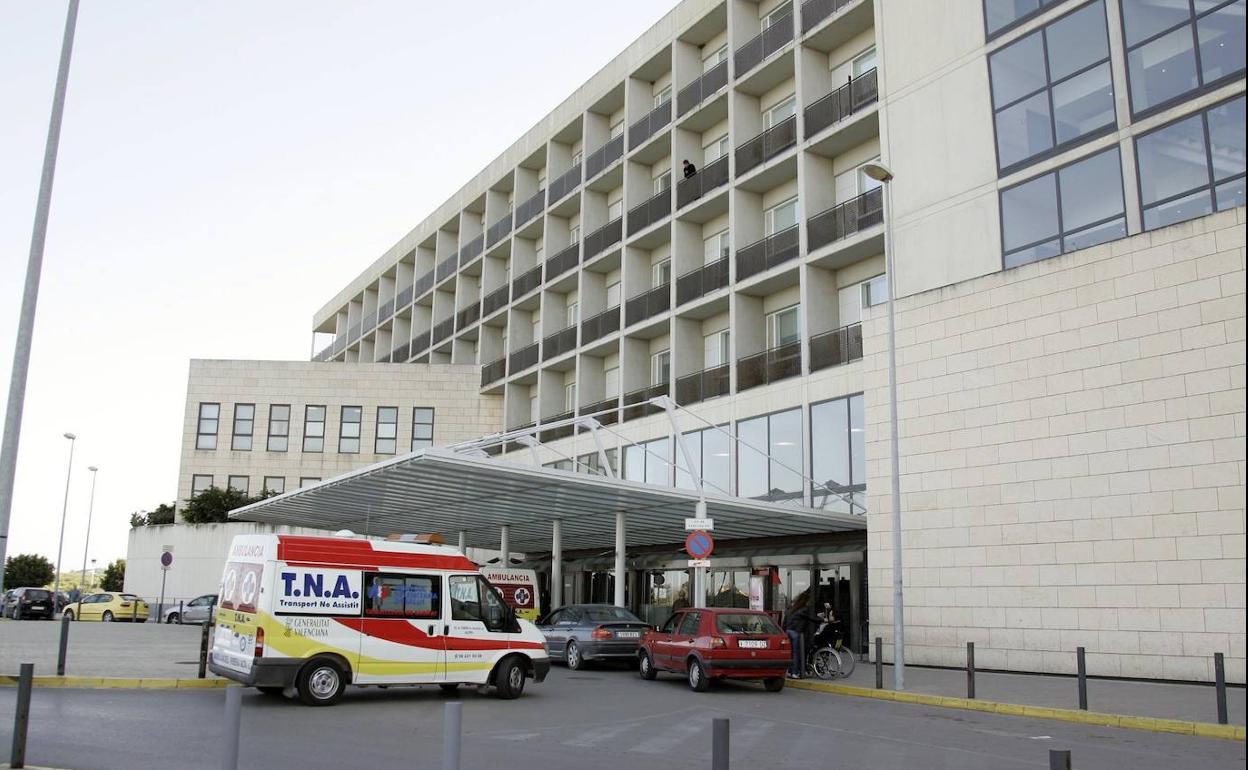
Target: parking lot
<point x="101" y="649"/>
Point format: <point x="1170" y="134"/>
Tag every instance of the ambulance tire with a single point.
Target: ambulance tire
<point x="509" y="678"/>
<point x="320" y="682"/>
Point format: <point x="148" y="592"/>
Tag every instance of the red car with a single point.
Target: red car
<point x="717" y="643"/>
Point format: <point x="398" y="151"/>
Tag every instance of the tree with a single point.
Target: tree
<point x="213" y="505"/>
<point x="28" y="569"/>
<point x="162" y="515"/>
<point x="114" y="576"/>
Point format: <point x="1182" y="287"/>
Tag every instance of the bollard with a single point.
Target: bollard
<point x="233" y="723"/>
<point x="21" y="716"/>
<point x="1083" y="678"/>
<point x="203" y="651"/>
<point x="1059" y="760"/>
<point x="134" y="611"/>
<point x="181" y="610"/>
<point x="879" y="663"/>
<point x="64" y="646"/>
<point x="451" y="722"/>
<point x="719" y="743"/>
<point x="801" y="656"/>
<point x="1219" y="683"/>
<point x="970" y="670"/>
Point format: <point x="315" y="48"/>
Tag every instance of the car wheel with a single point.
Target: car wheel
<point x="69" y="614"/>
<point x="572" y="656"/>
<point x="320" y="682"/>
<point x="698" y="680"/>
<point x="509" y="678"/>
<point x="107" y="617"/>
<point x="173" y="618"/>
<point x="645" y="669"/>
<point x="773" y="684"/>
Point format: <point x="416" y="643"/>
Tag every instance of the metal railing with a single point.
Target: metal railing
<point x="500" y="229"/>
<point x="845" y="219"/>
<point x="778" y="363"/>
<point x="353" y="333"/>
<point x="767" y="145"/>
<point x="605" y="236"/>
<point x="836" y="347"/>
<point x="404" y="299"/>
<point x="703" y="281"/>
<point x="386" y="310"/>
<point x="523" y="358"/>
<point x="495" y="299"/>
<point x="703" y="88"/>
<point x="447" y="268"/>
<point x="324" y="353"/>
<point x="815" y="11"/>
<point x="443" y="329"/>
<point x="527" y="282"/>
<point x="841" y="103"/>
<point x="369" y="322"/>
<point x="770" y="251"/>
<point x="563" y="261"/>
<point x="560" y="342"/>
<point x="560" y="431"/>
<point x="423" y="284"/>
<point x="401" y="353"/>
<point x="565" y="183"/>
<point x="648" y="305"/>
<point x="604" y="156"/>
<point x="648" y="126"/>
<point x="712" y="175"/>
<point x="531" y="207"/>
<point x="700" y="386"/>
<point x="421" y="342"/>
<point x="471" y="250"/>
<point x="468" y="316"/>
<point x="340" y="344"/>
<point x="653" y="210"/>
<point x="764" y="44"/>
<point x="600" y="410"/>
<point x="636" y="403"/>
<point x="493" y="371"/>
<point x="600" y="325"/>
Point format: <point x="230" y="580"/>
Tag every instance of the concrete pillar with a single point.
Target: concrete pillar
<point x="504" y="546"/>
<point x="855" y="606"/>
<point x="620" y="571"/>
<point x="556" y="564"/>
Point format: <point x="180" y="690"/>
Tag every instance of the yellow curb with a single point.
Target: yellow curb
<point x="1126" y="721"/>
<point x="118" y="683"/>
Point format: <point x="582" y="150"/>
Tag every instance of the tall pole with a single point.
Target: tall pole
<point x="60" y="545"/>
<point x="30" y="294"/>
<point x="86" y="546"/>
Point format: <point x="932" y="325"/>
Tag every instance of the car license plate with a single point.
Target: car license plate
<point x="627" y="634"/>
<point x="38" y="607"/>
<point x="753" y="643"/>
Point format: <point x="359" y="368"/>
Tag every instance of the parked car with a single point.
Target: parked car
<point x="717" y="643"/>
<point x="23" y="603"/>
<point x="201" y="609"/>
<point x="108" y="607"/>
<point x="580" y="633"/>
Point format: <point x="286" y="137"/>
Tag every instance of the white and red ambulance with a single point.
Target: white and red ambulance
<point x="314" y="614"/>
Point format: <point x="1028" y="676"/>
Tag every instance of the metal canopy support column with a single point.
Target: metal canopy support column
<point x="593" y="426"/>
<point x="556" y="564"/>
<point x="504" y="546"/>
<point x="620" y="571"/>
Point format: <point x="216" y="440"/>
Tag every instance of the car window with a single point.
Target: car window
<point x="670" y="626"/>
<point x="607" y="613"/>
<point x="745" y="623"/>
<point x="465" y="598"/>
<point x="37" y="594"/>
<point x="407" y="596"/>
<point x="103" y="598"/>
<point x="689" y="626"/>
<point x="552" y="618"/>
<point x="571" y="616"/>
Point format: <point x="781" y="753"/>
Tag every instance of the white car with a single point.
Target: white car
<point x="201" y="609"/>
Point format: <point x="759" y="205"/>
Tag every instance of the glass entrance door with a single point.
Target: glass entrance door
<point x="664" y="592"/>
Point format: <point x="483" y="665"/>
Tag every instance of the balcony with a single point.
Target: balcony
<point x="386" y="310"/>
<point x="471" y="250"/>
<point x="443" y="329"/>
<point x="836" y="347"/>
<point x="712" y="175"/>
<point x="340" y="344"/>
<point x="468" y="316"/>
<point x="635" y="403"/>
<point x="493" y="371"/>
<point x="703" y="281"/>
<point x="563" y="261"/>
<point x="841" y="103"/>
<point x="764" y="44"/>
<point x="555" y="345"/>
<point x="648" y="126"/>
<point x="569" y="181"/>
<point x="447" y="268"/>
<point x="523" y="358"/>
<point x="500" y="229"/>
<point x="527" y="282"/>
<point x="495" y="299"/>
<point x="353" y="333"/>
<point x="598" y="326"/>
<point x="401" y="353"/>
<point x="325" y="353"/>
<point x="702" y="385"/>
<point x="423" y="284"/>
<point x="653" y="210"/>
<point x="369" y="322"/>
<point x="604" y="156"/>
<point x="420" y="343"/>
<point x="648" y="305"/>
<point x="702" y="89"/>
<point x="765" y="254"/>
<point x="845" y="219"/>
<point x="605" y="236"/>
<point x="531" y="207"/>
<point x="767" y="145"/>
<point x="563" y="431"/>
<point x="815" y="11"/>
<point x="609" y="409"/>
<point x="404" y="299"/>
<point x="778" y="363"/>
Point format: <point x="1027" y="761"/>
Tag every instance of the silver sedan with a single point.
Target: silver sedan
<point x="580" y="633"/>
<point x="201" y="609"/>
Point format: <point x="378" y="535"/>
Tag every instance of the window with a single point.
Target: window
<point x="865" y="182"/>
<point x="387" y="430"/>
<point x="715" y="349"/>
<point x="200" y="483"/>
<point x="717" y="149"/>
<point x="783" y="326"/>
<point x="574" y="234"/>
<point x="709" y="450"/>
<point x="780" y="113"/>
<point x="206" y="429"/>
<point x="279" y="427"/>
<point x="239" y="484"/>
<point x="1000" y="15"/>
<point x="307" y="481"/>
<point x="712" y="59"/>
<point x="244" y="422"/>
<point x="466" y="597"/>
<point x="617" y="129"/>
<point x="614" y="210"/>
<point x="875" y="291"/>
<point x="1052" y="88"/>
<point x="611" y="382"/>
<point x="649" y="462"/>
<point x="573" y="313"/>
<point x="864" y="62"/>
<point x="661" y="273"/>
<point x="660" y="367"/>
<point x="403" y="596"/>
<point x="314" y="429"/>
<point x="1193" y="166"/>
<point x="613" y="295"/>
<point x="663" y="182"/>
<point x="780" y="217"/>
<point x="577" y="157"/>
<point x="775" y="475"/>
<point x="422" y="427"/>
<point x="1175" y="47"/>
<point x="715" y="248"/>
<point x="782" y="10"/>
<point x="1072" y="208"/>
<point x="838" y="459"/>
<point x="274" y="484"/>
<point x="569" y="397"/>
<point x="349" y="430"/>
<point x="663" y="97"/>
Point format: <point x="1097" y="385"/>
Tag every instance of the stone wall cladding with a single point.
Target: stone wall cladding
<point x="1073" y="462"/>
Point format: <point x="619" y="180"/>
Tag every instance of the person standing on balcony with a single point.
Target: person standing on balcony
<point x="690" y="169"/>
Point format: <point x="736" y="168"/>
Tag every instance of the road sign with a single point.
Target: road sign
<point x="702" y="523"/>
<point x="166" y="560"/>
<point x="699" y="562"/>
<point x="700" y="544"/>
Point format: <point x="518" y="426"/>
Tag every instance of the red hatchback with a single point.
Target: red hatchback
<point x="717" y="643"/>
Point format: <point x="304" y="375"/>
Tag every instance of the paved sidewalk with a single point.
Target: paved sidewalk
<point x="143" y="650"/>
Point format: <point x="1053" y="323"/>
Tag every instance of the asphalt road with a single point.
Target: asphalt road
<point x="605" y="718"/>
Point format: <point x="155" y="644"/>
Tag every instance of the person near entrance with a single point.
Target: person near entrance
<point x="799" y="625"/>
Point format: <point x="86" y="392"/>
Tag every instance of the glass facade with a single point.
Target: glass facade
<point x="1176" y="47"/>
<point x="1001" y="15"/>
<point x="838" y="454"/>
<point x="778" y="477"/>
<point x="711" y="452"/>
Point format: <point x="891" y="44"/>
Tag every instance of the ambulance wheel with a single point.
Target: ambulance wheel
<point x="320" y="682"/>
<point x="509" y="678"/>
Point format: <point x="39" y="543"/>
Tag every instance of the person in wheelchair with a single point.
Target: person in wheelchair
<point x="829" y="633"/>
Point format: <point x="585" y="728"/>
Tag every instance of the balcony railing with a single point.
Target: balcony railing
<point x="423" y="284"/>
<point x="710" y="176"/>
<point x="353" y="333"/>
<point x="605" y="236"/>
<point x="493" y="371"/>
<point x="844" y="101"/>
<point x="447" y="268"/>
<point x="703" y="281"/>
<point x="648" y="305"/>
<point x="401" y="353"/>
<point x="443" y="329"/>
<point x="500" y="229"/>
<point x="563" y="431"/>
<point x="495" y="299"/>
<point x="420" y="343"/>
<point x="653" y="210"/>
<point x="767" y="145"/>
<point x="563" y="261"/>
<point x="523" y="358"/>
<point x="566" y="183"/>
<point x="607" y="417"/>
<point x="555" y="345"/>
<point x="702" y="385"/>
<point x="701" y="89"/>
<point x="598" y="326"/>
<point x="340" y="344"/>
<point x="471" y="250"/>
<point x="325" y="353"/>
<point x="836" y="347"/>
<point x="468" y="316"/>
<point x="845" y="219"/>
<point x="604" y="156"/>
<point x="369" y="322"/>
<point x="648" y="126"/>
<point x="404" y="299"/>
<point x="386" y="310"/>
<point x="635" y="403"/>
<point x="767" y="253"/>
<point x="778" y="363"/>
<point x="527" y="282"/>
<point x="764" y="44"/>
<point x="815" y="11"/>
<point x="531" y="207"/>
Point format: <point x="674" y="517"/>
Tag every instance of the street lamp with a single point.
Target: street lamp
<point x="90" y="510"/>
<point x="882" y="174"/>
<point x="69" y="469"/>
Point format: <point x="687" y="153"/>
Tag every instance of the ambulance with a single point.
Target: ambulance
<point x="307" y="616"/>
<point x="518" y="588"/>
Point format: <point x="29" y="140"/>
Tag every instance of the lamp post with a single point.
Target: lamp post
<point x="87" y="545"/>
<point x="884" y="175"/>
<point x="69" y="471"/>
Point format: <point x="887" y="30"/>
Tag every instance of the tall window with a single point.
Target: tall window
<point x="615" y="209"/>
<point x="660" y="367"/>
<point x="784" y="326"/>
<point x="838" y="457"/>
<point x="711" y="59"/>
<point x="649" y="462"/>
<point x="1175" y="47"/>
<point x="780" y="11"/>
<point x="663" y="96"/>
<point x="274" y="484"/>
<point x="611" y="382"/>
<point x="662" y="182"/>
<point x="875" y="291"/>
<point x="422" y="427"/>
<point x="715" y="248"/>
<point x="780" y="112"/>
<point x="710" y="451"/>
<point x="200" y="483"/>
<point x="206" y="428"/>
<point x="349" y="430"/>
<point x="244" y="422"/>
<point x="715" y="150"/>
<point x="661" y="273"/>
<point x="715" y="349"/>
<point x="387" y="430"/>
<point x="1000" y="15"/>
<point x="1052" y="88"/>
<point x="239" y="484"/>
<point x="569" y="397"/>
<point x="613" y="295"/>
<point x="314" y="429"/>
<point x="782" y="216"/>
<point x="769" y="458"/>
<point x="279" y="427"/>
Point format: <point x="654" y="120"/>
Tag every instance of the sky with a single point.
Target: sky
<point x="224" y="169"/>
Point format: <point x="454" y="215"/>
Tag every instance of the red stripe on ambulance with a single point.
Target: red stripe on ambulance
<point x="338" y="552"/>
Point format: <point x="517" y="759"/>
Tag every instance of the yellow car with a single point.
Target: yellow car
<point x="108" y="607"/>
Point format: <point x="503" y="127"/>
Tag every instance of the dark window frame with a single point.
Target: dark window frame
<point x="272" y="434"/>
<point x="308" y="480"/>
<point x="266" y="488"/>
<point x="235" y="434"/>
<point x="211" y="482"/>
<point x="378" y="438"/>
<point x="229" y="483"/>
<point x="990" y="35"/>
<point x="307" y="410"/>
<point x="817" y="488"/>
<point x="801" y="409"/>
<point x="424" y="442"/>
<point x="404" y="614"/>
<point x="343" y="423"/>
<point x="200" y="434"/>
